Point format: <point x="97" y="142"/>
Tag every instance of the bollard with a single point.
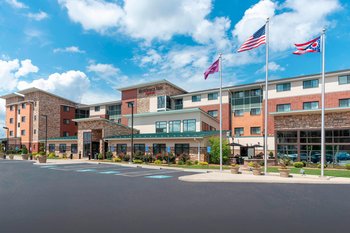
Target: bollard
<point x="71" y="156"/>
<point x="79" y="154"/>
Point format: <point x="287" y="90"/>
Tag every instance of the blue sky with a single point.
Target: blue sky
<point x="84" y="49"/>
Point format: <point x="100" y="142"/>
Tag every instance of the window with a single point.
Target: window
<point x="74" y="148"/>
<point x="344" y="103"/>
<point x="161" y="127"/>
<point x="121" y="148"/>
<point x="66" y="108"/>
<point x="283" y="87"/>
<point x="34" y="131"/>
<point x="310" y="83"/>
<point x="51" y="148"/>
<point x="310" y="105"/>
<point x="65" y="134"/>
<point x="182" y="149"/>
<point x="239" y="112"/>
<point x="189" y="125"/>
<point x="283" y="107"/>
<point x="255" y="111"/>
<point x="23" y="119"/>
<point x="23" y="106"/>
<point x="255" y="92"/>
<point x="23" y="132"/>
<point x="344" y="79"/>
<point x="11" y="120"/>
<point x="97" y="108"/>
<point x="34" y="118"/>
<point x="62" y="148"/>
<point x="213" y="96"/>
<point x="11" y="108"/>
<point x="11" y="133"/>
<point x="239" y="131"/>
<point x="213" y="113"/>
<point x="19" y="111"/>
<point x="239" y="94"/>
<point x="178" y="104"/>
<point x="161" y="102"/>
<point x="66" y="121"/>
<point x="196" y="98"/>
<point x="255" y="130"/>
<point x="174" y="126"/>
<point x="159" y="149"/>
<point x="139" y="148"/>
<point x="18" y="124"/>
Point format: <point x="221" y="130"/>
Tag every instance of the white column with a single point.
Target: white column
<point x="266" y="96"/>
<point x="323" y="104"/>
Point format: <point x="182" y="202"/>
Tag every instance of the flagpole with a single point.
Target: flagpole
<point x="266" y="96"/>
<point x="323" y="103"/>
<point x="220" y="63"/>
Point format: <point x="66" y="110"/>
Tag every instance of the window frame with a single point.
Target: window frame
<point x="196" y="98"/>
<point x="347" y="79"/>
<point x="283" y="87"/>
<point x="238" y="135"/>
<point x="288" y="104"/>
<point x="158" y="123"/>
<point x="97" y="108"/>
<point x="62" y="148"/>
<point x="75" y="146"/>
<point x="310" y="102"/>
<point x="120" y="148"/>
<point x="213" y="96"/>
<point x="50" y="148"/>
<point x="140" y="145"/>
<point x="311" y="80"/>
<point x="217" y="113"/>
<point x="171" y="125"/>
<point x="66" y="108"/>
<point x="183" y="147"/>
<point x="255" y="127"/>
<point x="347" y="100"/>
<point x="185" y="128"/>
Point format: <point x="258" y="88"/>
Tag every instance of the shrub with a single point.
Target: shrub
<point x="52" y="156"/>
<point x="109" y="155"/>
<point x="99" y="156"/>
<point x="116" y="159"/>
<point x="137" y="161"/>
<point x="42" y="153"/>
<point x="172" y="158"/>
<point x="319" y="166"/>
<point x="271" y="154"/>
<point x="203" y="163"/>
<point x="138" y="155"/>
<point x="215" y="150"/>
<point x="126" y="157"/>
<point x="64" y="156"/>
<point x="184" y="157"/>
<point x="148" y="158"/>
<point x="180" y="162"/>
<point x="347" y="166"/>
<point x="189" y="163"/>
<point x="158" y="162"/>
<point x="196" y="162"/>
<point x="159" y="157"/>
<point x="251" y="164"/>
<point x="284" y="162"/>
<point x="24" y="150"/>
<point x="298" y="164"/>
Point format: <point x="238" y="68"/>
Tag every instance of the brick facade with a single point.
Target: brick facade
<point x="226" y="114"/>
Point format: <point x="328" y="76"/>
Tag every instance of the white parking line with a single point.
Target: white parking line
<point x="79" y="167"/>
<point x="146" y="173"/>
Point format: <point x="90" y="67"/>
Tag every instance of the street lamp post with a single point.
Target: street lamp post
<point x="7" y="140"/>
<point x="45" y="133"/>
<point x="131" y="105"/>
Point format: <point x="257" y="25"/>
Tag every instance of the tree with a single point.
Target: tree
<point x="215" y="150"/>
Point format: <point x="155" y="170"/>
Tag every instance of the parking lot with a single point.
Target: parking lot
<point x="111" y="198"/>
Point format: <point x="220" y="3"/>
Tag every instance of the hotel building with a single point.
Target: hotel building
<point x="169" y="118"/>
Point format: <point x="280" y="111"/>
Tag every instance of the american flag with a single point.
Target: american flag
<point x="312" y="46"/>
<point x="257" y="39"/>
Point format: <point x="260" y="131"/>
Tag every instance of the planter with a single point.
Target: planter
<point x="25" y="156"/>
<point x="256" y="171"/>
<point x="284" y="172"/>
<point x="42" y="159"/>
<point x="235" y="170"/>
<point x="12" y="156"/>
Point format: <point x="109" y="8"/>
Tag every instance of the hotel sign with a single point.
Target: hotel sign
<point x="150" y="90"/>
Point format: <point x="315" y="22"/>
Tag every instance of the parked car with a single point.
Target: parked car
<point x="342" y="155"/>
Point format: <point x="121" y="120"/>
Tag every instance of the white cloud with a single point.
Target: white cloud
<point x="71" y="84"/>
<point x="108" y="73"/>
<point x="71" y="49"/>
<point x="151" y="57"/>
<point x="38" y="16"/>
<point x="273" y="66"/>
<point x="306" y="22"/>
<point x="16" y="4"/>
<point x="12" y="70"/>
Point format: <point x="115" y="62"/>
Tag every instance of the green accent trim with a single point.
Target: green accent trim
<point x="200" y="134"/>
<point x="69" y="138"/>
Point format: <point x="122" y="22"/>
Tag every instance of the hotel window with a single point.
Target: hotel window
<point x="196" y="98"/>
<point x="66" y="121"/>
<point x="189" y="125"/>
<point x="11" y="133"/>
<point x="161" y="126"/>
<point x="121" y="148"/>
<point x="213" y="113"/>
<point x="23" y="119"/>
<point x="11" y="108"/>
<point x="239" y="131"/>
<point x="34" y="118"/>
<point x="23" y="106"/>
<point x="255" y="111"/>
<point x="34" y="131"/>
<point x="11" y="120"/>
<point x="174" y="126"/>
<point x="163" y="103"/>
<point x="18" y="124"/>
<point x="66" y="108"/>
<point x="255" y="130"/>
<point x="74" y="148"/>
<point x="19" y="111"/>
<point x="310" y="105"/>
<point x="310" y="83"/>
<point x="97" y="108"/>
<point x="344" y="79"/>
<point x="178" y="104"/>
<point x="182" y="149"/>
<point x="255" y="92"/>
<point x="239" y="94"/>
<point x="65" y="134"/>
<point x="213" y="96"/>
<point x="139" y="148"/>
<point x="283" y="107"/>
<point x="239" y="112"/>
<point x="51" y="148"/>
<point x="344" y="103"/>
<point x="23" y="132"/>
<point x="159" y="149"/>
<point x="283" y="87"/>
<point x="62" y="148"/>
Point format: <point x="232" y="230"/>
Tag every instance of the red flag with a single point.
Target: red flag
<point x="212" y="69"/>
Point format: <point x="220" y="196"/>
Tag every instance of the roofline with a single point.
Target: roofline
<point x="99" y="104"/>
<point x="161" y="81"/>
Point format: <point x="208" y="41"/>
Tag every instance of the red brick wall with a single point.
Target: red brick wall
<point x="127" y="96"/>
<point x="11" y="114"/>
<point x="247" y="121"/>
<point x="296" y="102"/>
<point x="71" y="128"/>
<point x="226" y="114"/>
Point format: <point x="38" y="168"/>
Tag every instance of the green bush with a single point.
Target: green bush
<point x="64" y="156"/>
<point x="137" y="161"/>
<point x="24" y="150"/>
<point x="158" y="162"/>
<point x="52" y="156"/>
<point x="215" y="150"/>
<point x="189" y="163"/>
<point x="203" y="163"/>
<point x="196" y="162"/>
<point x="298" y="164"/>
<point x="99" y="156"/>
<point x="184" y="157"/>
<point x="126" y="157"/>
<point x="180" y="162"/>
<point x="271" y="154"/>
<point x="116" y="159"/>
<point x="109" y="155"/>
<point x="347" y="166"/>
<point x="319" y="166"/>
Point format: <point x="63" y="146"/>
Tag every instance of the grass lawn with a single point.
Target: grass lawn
<point x="316" y="171"/>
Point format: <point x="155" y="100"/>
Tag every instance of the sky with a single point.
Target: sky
<point x="85" y="49"/>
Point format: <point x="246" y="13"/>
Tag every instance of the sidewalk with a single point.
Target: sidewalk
<point x="226" y="176"/>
